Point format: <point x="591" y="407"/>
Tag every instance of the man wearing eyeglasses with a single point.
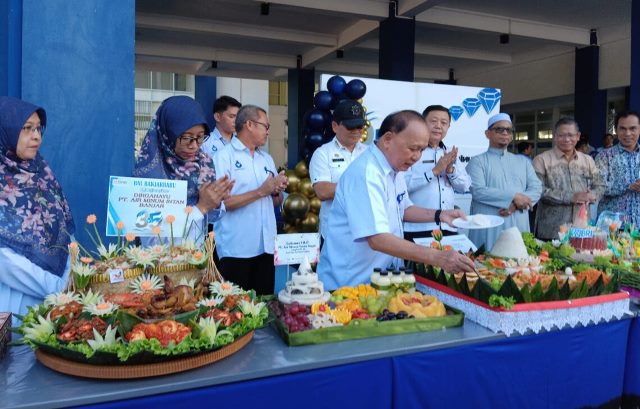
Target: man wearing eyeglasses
<point x="570" y="179"/>
<point x="225" y="110"/>
<point x="246" y="234"/>
<point x="330" y="160"/>
<point x="502" y="183"/>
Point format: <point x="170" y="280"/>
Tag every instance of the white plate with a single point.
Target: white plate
<point x="469" y="224"/>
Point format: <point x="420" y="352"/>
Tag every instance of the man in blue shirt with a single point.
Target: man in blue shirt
<point x="370" y="205"/>
<point x="225" y="110"/>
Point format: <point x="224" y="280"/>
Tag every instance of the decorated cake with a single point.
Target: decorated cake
<point x="304" y="287"/>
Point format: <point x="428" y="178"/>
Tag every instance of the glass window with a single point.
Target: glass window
<point x="278" y="93"/>
<point x="180" y="82"/>
<point x="143" y="79"/>
<point x="162" y="80"/>
<point x="544" y="115"/>
<point x="545" y="134"/>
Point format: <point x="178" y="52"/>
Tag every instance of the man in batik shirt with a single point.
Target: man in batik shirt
<point x="620" y="169"/>
<point x="570" y="179"/>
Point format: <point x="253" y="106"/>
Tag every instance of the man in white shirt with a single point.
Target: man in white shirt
<point x="331" y="159"/>
<point x="245" y="235"/>
<point x="371" y="202"/>
<point x="225" y="110"/>
<point x="433" y="181"/>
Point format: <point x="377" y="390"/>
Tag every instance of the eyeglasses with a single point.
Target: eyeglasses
<point x="499" y="129"/>
<point x="33" y="129"/>
<point x="188" y="140"/>
<point x="266" y="126"/>
<point x="566" y="135"/>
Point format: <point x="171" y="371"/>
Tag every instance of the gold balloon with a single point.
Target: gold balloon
<point x="302" y="170"/>
<point x="306" y="188"/>
<point x="364" y="108"/>
<point x="296" y="206"/>
<point x="368" y="123"/>
<point x="359" y="101"/>
<point x="365" y="135"/>
<point x="290" y="228"/>
<point x="310" y="223"/>
<point x="294" y="181"/>
<point x="315" y="205"/>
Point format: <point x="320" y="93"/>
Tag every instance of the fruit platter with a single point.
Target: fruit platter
<point x="158" y="327"/>
<point x="361" y="312"/>
<point x="525" y="285"/>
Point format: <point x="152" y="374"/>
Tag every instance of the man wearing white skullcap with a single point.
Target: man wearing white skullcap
<point x="502" y="183"/>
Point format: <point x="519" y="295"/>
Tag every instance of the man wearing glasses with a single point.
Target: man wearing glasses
<point x="330" y="160"/>
<point x="246" y="234"/>
<point x="502" y="183"/>
<point x="570" y="179"/>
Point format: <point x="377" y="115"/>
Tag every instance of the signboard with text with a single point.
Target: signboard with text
<point x="293" y="248"/>
<point x="142" y="204"/>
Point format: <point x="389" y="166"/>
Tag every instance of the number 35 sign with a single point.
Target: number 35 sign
<point x="143" y="204"/>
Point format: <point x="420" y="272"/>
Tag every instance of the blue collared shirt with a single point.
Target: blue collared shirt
<point x="250" y="230"/>
<point x="370" y="199"/>
<point x="215" y="143"/>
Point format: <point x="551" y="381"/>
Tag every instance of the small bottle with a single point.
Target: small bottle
<point x="396" y="278"/>
<point x="375" y="276"/>
<point x="409" y="278"/>
<point x="403" y="272"/>
<point x="384" y="282"/>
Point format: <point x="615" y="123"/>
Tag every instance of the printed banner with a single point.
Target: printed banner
<point x="142" y="204"/>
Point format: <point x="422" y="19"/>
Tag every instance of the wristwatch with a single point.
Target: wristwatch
<point x="436" y="217"/>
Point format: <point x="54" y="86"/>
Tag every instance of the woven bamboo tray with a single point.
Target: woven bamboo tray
<point x="100" y="282"/>
<point x="140" y="371"/>
<point x="178" y="272"/>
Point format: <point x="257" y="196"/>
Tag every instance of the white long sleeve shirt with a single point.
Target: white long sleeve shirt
<point x="24" y="284"/>
<point x="434" y="192"/>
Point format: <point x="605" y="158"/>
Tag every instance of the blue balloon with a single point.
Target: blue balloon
<point x="323" y="100"/>
<point x="336" y="85"/>
<point x="356" y="89"/>
<point x="314" y="140"/>
<point x="315" y="120"/>
<point x="328" y="117"/>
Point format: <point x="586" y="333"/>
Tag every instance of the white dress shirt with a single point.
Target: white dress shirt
<point x="434" y="192"/>
<point x="250" y="230"/>
<point x="370" y="199"/>
<point x="327" y="164"/>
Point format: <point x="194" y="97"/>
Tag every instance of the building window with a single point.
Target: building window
<point x="278" y="93"/>
<point x="535" y="127"/>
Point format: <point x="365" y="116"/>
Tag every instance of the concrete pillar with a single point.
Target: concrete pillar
<point x="77" y="62"/>
<point x="590" y="102"/>
<point x="301" y="88"/>
<point x="206" y="95"/>
<point x="397" y="37"/>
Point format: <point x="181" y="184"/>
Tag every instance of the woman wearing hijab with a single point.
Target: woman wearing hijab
<point x="171" y="150"/>
<point x="35" y="220"/>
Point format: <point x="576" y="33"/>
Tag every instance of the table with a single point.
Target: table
<point x="457" y="367"/>
<point x="631" y="388"/>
